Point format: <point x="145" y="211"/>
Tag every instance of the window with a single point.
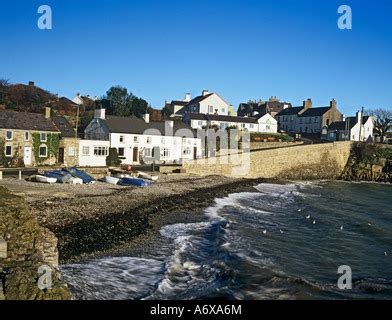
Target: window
<point x="122" y="139"/>
<point x="242" y="125"/>
<point x="315" y="120"/>
<point x="149" y="139"/>
<point x="71" y="151"/>
<point x="252" y="126"/>
<point x="147" y="152"/>
<point x="200" y="123"/>
<point x="121" y="152"/>
<point x="268" y="127"/>
<point x="100" y="151"/>
<point x="211" y="109"/>
<point x="9" y="135"/>
<point x="8" y="151"/>
<point x="166" y="153"/>
<point x="86" y="151"/>
<point x="43" y="151"/>
<point x="43" y="137"/>
<point x="223" y="110"/>
<point x="163" y="140"/>
<point x="135" y="139"/>
<point x="187" y="151"/>
<point x="27" y="136"/>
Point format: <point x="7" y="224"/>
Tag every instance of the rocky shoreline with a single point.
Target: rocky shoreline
<point x="100" y="219"/>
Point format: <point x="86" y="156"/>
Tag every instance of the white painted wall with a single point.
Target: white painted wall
<point x="88" y="156"/>
<point x="177" y="147"/>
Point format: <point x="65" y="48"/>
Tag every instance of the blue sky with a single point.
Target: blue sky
<point x="241" y="49"/>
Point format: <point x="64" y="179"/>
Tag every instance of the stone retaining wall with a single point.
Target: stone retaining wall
<point x="318" y="161"/>
<point x="29" y="247"/>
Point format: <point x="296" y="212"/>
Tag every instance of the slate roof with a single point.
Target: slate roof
<point x="290" y="111"/>
<point x="216" y="117"/>
<point x="341" y="125"/>
<point x="67" y="131"/>
<point x="134" y="125"/>
<point x="199" y="99"/>
<point x="315" y="112"/>
<point x="26" y="121"/>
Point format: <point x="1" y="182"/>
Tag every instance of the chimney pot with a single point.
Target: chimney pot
<point x="146" y="118"/>
<point x="205" y="92"/>
<point x="47" y="112"/>
<point x="31" y="84"/>
<point x="100" y="114"/>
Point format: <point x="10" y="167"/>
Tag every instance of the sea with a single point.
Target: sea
<point x="316" y="240"/>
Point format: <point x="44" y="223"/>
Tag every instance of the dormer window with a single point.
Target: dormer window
<point x="43" y="137"/>
<point x="9" y="135"/>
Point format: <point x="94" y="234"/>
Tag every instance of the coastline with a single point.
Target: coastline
<point x="100" y="220"/>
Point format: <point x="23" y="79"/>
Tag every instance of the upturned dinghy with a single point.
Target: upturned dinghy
<point x="134" y="182"/>
<point x="43" y="179"/>
<point x="111" y="180"/>
<point x="76" y="173"/>
<point x="61" y="176"/>
<point x="144" y="175"/>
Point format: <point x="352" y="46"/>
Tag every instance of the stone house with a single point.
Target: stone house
<point x="69" y="142"/>
<point x="253" y="108"/>
<point x="28" y="138"/>
<point x="306" y="119"/>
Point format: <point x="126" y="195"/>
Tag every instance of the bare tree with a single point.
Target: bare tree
<point x="4" y="84"/>
<point x="383" y="121"/>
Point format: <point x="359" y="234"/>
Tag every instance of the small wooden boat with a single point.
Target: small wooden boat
<point x="111" y="180"/>
<point x="43" y="179"/>
<point x="147" y="176"/>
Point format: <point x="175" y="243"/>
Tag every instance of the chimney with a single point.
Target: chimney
<point x="47" y="112"/>
<point x="146" y="118"/>
<point x="78" y="94"/>
<point x="204" y="93"/>
<point x="332" y="104"/>
<point x="169" y="123"/>
<point x="95" y="98"/>
<point x="359" y="117"/>
<point x="308" y="103"/>
<point x="100" y="114"/>
<point x="187" y="97"/>
<point x="31" y="84"/>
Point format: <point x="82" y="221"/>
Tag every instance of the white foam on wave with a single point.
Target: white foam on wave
<point x="117" y="278"/>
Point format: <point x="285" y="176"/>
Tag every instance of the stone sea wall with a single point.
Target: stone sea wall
<point x="318" y="161"/>
<point x="29" y="248"/>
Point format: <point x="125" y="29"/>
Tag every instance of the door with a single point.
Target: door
<point x="27" y="156"/>
<point x="136" y="154"/>
<point x="61" y="155"/>
<point x="194" y="153"/>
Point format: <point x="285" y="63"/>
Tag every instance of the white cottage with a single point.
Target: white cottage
<point x="265" y="124"/>
<point x="140" y="141"/>
<point x="359" y="128"/>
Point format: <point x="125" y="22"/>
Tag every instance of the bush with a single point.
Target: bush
<point x="112" y="159"/>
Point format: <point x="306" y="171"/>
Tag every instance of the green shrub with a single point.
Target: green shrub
<point x="112" y="159"/>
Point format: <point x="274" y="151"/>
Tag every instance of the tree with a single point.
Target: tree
<point x="119" y="101"/>
<point x="383" y="121"/>
<point x="4" y="84"/>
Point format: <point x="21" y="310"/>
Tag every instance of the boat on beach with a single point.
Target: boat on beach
<point x="111" y="180"/>
<point x="147" y="176"/>
<point x="76" y="173"/>
<point x="43" y="179"/>
<point x="134" y="182"/>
